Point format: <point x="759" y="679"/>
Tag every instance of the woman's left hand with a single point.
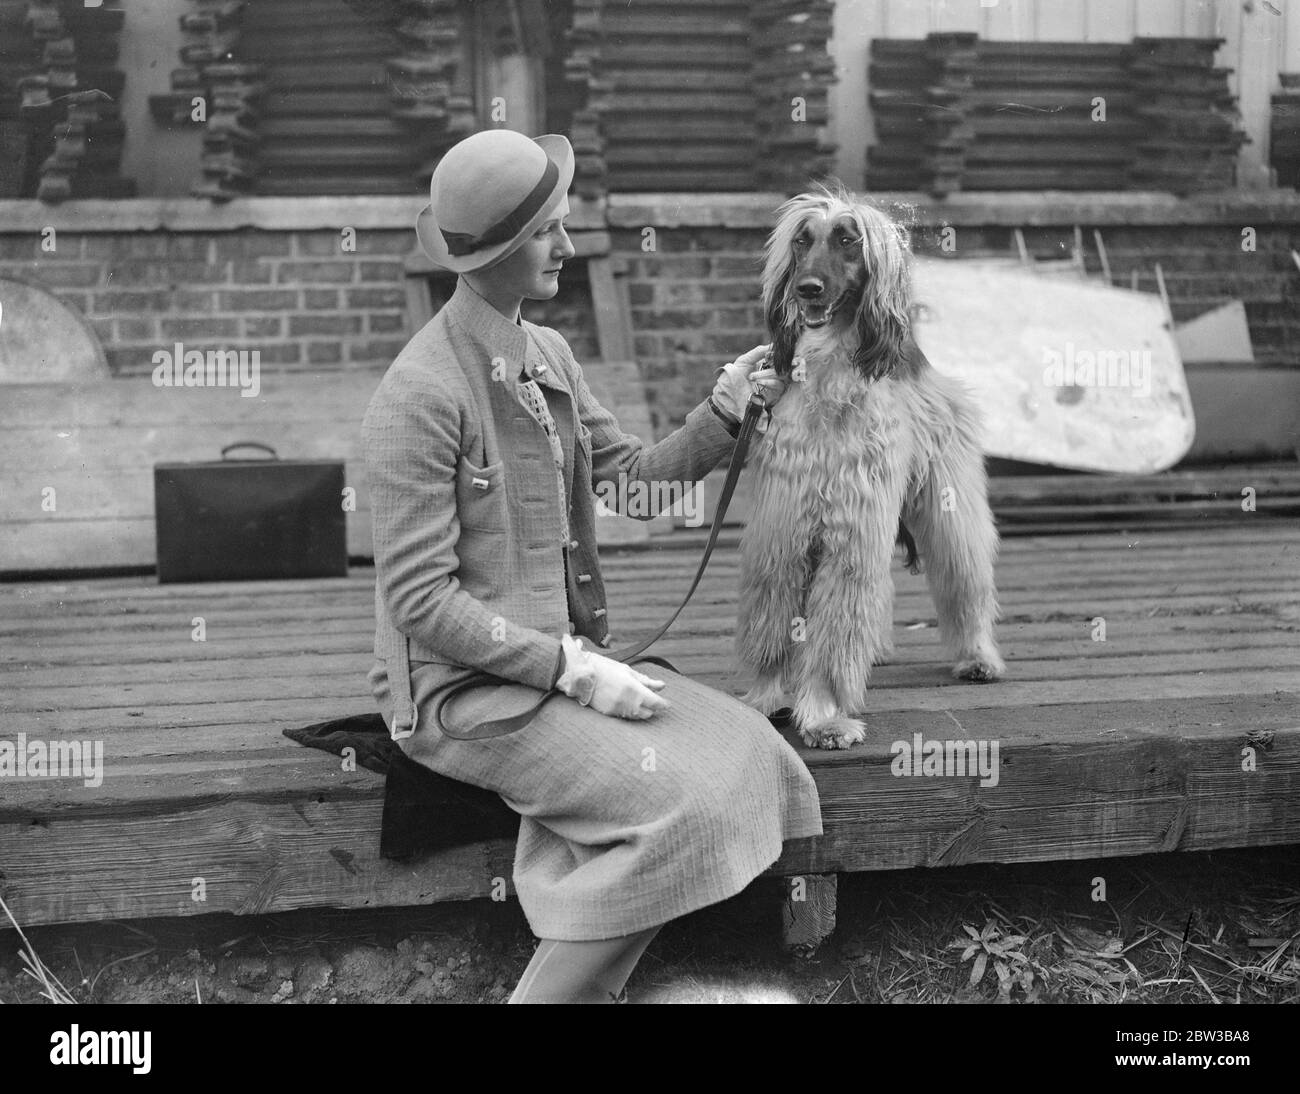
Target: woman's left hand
<point x="741" y="378"/>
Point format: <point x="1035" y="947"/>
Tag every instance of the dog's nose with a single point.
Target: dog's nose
<point x="810" y="287"/>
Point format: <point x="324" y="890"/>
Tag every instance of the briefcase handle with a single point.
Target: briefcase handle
<point x="250" y="444"/>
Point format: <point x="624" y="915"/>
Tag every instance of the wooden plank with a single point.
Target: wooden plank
<point x="1127" y="782"/>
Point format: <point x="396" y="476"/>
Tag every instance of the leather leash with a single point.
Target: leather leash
<point x="500" y="727"/>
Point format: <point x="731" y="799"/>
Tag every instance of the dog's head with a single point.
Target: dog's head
<point x="833" y="260"/>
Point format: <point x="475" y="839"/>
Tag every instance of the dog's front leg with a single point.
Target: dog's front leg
<point x="958" y="544"/>
<point x="775" y="571"/>
<point x="849" y="615"/>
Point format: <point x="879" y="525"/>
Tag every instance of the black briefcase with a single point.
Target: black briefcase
<point x="234" y="520"/>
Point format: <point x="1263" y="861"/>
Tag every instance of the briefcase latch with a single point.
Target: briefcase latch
<point x="480" y="484"/>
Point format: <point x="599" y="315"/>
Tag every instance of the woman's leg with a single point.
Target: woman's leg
<point x="581" y="972"/>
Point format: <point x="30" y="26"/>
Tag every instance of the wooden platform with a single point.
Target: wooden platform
<point x="1121" y="747"/>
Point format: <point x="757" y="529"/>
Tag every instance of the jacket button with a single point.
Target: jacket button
<point x="573" y="545"/>
<point x="598" y="612"/>
<point x="583" y="578"/>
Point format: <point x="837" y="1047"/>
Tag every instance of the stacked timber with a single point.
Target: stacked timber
<point x="20" y="58"/>
<point x="920" y="100"/>
<point x="218" y="92"/>
<point x="953" y="112"/>
<point x="1284" y="136"/>
<point x="792" y="72"/>
<point x="1192" y="130"/>
<point x="431" y="99"/>
<point x="675" y="95"/>
<point x="591" y="89"/>
<point x="63" y="62"/>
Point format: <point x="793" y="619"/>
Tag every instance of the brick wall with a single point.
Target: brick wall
<point x="296" y="297"/>
<point x="695" y="299"/>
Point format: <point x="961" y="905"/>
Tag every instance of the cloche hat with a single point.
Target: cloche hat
<point x="488" y="193"/>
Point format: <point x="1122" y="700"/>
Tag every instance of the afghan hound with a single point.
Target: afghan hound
<point x="868" y="445"/>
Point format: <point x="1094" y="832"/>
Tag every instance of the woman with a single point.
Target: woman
<point x="647" y="798"/>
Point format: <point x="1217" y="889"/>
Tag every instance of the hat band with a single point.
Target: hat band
<point x="463" y="243"/>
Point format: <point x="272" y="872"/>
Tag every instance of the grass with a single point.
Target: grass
<point x="1210" y="927"/>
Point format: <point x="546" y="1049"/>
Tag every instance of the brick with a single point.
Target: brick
<point x="263" y="326"/>
<point x="324" y="353"/>
<point x="641" y="294"/>
<point x="137" y="330"/>
<point x="282" y="353"/>
<point x="732" y="292"/>
<point x="113" y="302"/>
<point x="251" y="244"/>
<point x="376" y="298"/>
<point x="24" y="247"/>
<point x="386" y="323"/>
<point x="307" y="272"/>
<point x="736" y="266"/>
<point x="129" y="360"/>
<point x="646" y="345"/>
<point x="78" y="301"/>
<point x="384" y="349"/>
<point x="320" y="298"/>
<point x="319" y="244"/>
<point x="103" y="328"/>
<point x="185" y="301"/>
<point x="170" y="274"/>
<point x="680" y="266"/>
<point x="250" y="273"/>
<point x="368" y="241"/>
<point x="183" y="329"/>
<point x="324" y="324"/>
<point x="681" y="292"/>
<point x="724" y="344"/>
<point x="258" y="300"/>
<point x="377" y="241"/>
<point x="383" y="271"/>
<point x="671" y="319"/>
<point x="61" y="275"/>
<point x="181" y="246"/>
<point x="738" y="318"/>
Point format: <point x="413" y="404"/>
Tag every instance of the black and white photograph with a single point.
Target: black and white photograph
<point x="655" y="502"/>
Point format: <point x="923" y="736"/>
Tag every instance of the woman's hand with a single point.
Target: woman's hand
<point x="606" y="685"/>
<point x="741" y="378"/>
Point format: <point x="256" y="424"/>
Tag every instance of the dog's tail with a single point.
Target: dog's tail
<point x="912" y="562"/>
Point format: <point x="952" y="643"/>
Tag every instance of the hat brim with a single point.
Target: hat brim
<point x="560" y="152"/>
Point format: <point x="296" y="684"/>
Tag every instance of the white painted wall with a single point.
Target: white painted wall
<point x="1262" y="38"/>
<point x="164" y="162"/>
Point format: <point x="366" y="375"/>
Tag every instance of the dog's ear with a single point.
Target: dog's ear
<point x="781" y="329"/>
<point x="883" y="327"/>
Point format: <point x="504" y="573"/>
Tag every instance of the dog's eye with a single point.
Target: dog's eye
<point x="846" y="240"/>
<point x="801" y="241"/>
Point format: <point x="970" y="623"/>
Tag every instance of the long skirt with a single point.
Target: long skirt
<point x="625" y="824"/>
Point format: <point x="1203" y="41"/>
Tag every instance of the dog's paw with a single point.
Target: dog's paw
<point x="834" y="733"/>
<point x="980" y="670"/>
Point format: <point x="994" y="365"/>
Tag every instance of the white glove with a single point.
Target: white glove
<point x="740" y="379"/>
<point x="606" y="685"/>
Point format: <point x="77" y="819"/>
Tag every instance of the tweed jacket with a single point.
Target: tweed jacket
<point x="472" y="572"/>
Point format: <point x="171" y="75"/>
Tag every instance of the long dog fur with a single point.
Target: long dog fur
<point x="867" y="436"/>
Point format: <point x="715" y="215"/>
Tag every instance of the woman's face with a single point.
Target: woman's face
<point x="532" y="271"/>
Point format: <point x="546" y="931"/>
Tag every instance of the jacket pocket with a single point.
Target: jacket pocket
<point x="481" y="496"/>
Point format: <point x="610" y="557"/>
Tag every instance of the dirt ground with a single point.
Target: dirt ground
<point x="1206" y="927"/>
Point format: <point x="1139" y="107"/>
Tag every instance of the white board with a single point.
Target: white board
<point x="1068" y="373"/>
